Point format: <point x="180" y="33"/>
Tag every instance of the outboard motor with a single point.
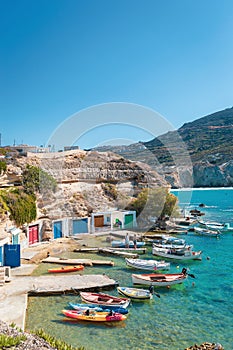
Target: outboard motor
<point x="184" y="271"/>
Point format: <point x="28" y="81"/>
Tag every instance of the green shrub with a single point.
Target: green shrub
<point x="22" y="206"/>
<point x="36" y="180"/>
<point x="3" y="167"/>
<point x="7" y="341"/>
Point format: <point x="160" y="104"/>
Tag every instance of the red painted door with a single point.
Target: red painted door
<point x="33" y="234"/>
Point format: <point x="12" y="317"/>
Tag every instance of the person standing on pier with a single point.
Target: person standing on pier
<point x="127" y="240"/>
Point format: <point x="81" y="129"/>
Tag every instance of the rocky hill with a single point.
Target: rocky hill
<point x="209" y="143"/>
<point x="87" y="181"/>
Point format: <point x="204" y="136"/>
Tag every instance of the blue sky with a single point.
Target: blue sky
<point x="58" y="57"/>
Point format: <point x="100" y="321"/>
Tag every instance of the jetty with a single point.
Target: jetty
<point x="14" y="295"/>
<point x="85" y="262"/>
<point x="107" y="249"/>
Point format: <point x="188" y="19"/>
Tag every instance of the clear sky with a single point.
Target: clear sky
<point x="59" y="57"/>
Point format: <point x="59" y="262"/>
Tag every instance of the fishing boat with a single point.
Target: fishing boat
<point x="121" y="244"/>
<point x="84" y="307"/>
<point x="177" y="254"/>
<point x="166" y="239"/>
<point x="216" y="226"/>
<point x="66" y="269"/>
<point x="206" y="232"/>
<point x="135" y="293"/>
<point x="104" y="299"/>
<point x="147" y="264"/>
<point x="155" y="279"/>
<point x="94" y="316"/>
<point x="173" y="246"/>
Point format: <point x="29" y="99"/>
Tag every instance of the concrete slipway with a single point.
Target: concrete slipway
<point x="14" y="294"/>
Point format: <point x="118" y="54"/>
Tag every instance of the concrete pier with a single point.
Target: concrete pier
<point x="14" y="295"/>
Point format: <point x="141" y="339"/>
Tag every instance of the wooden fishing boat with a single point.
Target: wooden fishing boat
<point x="84" y="307"/>
<point x="177" y="254"/>
<point x="94" y="316"/>
<point x="135" y="293"/>
<point x="206" y="232"/>
<point x="104" y="299"/>
<point x="121" y="244"/>
<point x="147" y="264"/>
<point x="66" y="269"/>
<point x="155" y="279"/>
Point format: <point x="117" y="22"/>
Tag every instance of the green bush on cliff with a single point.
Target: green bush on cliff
<point x="36" y="180"/>
<point x="3" y="167"/>
<point x="22" y="206"/>
<point x="154" y="202"/>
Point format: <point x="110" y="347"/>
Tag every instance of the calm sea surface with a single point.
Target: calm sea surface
<point x="198" y="310"/>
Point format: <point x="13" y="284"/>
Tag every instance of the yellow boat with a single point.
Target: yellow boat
<point x="94" y="316"/>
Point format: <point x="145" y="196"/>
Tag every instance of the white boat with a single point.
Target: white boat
<point x="157" y="279"/>
<point x="135" y="293"/>
<point x="177" y="254"/>
<point x="216" y="226"/>
<point x="172" y="246"/>
<point x="166" y="239"/>
<point x="206" y="232"/>
<point x="150" y="265"/>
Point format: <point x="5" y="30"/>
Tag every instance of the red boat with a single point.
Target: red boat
<point x="66" y="269"/>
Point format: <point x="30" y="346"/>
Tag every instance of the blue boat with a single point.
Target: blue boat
<point x="81" y="306"/>
<point x="121" y="244"/>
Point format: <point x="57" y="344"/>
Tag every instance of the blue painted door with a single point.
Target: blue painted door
<point x="12" y="255"/>
<point x="1" y="256"/>
<point x="80" y="226"/>
<point x="57" y="229"/>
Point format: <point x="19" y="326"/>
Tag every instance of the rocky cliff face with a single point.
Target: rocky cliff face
<point x="89" y="181"/>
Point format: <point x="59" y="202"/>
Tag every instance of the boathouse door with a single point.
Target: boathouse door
<point x="80" y="226"/>
<point x="99" y="221"/>
<point x="128" y="221"/>
<point x="33" y="234"/>
<point x="57" y="229"/>
<point x="12" y="255"/>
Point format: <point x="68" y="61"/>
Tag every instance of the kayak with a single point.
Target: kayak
<point x="135" y="293"/>
<point x="101" y="308"/>
<point x="66" y="269"/>
<point x="94" y="316"/>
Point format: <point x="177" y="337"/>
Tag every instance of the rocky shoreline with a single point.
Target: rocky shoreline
<point x="32" y="342"/>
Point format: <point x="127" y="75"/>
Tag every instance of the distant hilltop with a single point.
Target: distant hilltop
<point x="209" y="142"/>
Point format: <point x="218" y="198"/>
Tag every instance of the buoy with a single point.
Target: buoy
<point x="208" y="258"/>
<point x="177" y="267"/>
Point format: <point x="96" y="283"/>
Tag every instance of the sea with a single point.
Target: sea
<point x="199" y="310"/>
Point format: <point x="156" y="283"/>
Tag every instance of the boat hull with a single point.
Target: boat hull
<point x="102" y="308"/>
<point x="135" y="293"/>
<point x="159" y="280"/>
<point x="121" y="244"/>
<point x="94" y="317"/>
<point x="150" y="265"/>
<point x="100" y="299"/>
<point x="189" y="255"/>
<point x="66" y="269"/>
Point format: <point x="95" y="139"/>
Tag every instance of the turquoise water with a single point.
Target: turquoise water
<point x="198" y="310"/>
